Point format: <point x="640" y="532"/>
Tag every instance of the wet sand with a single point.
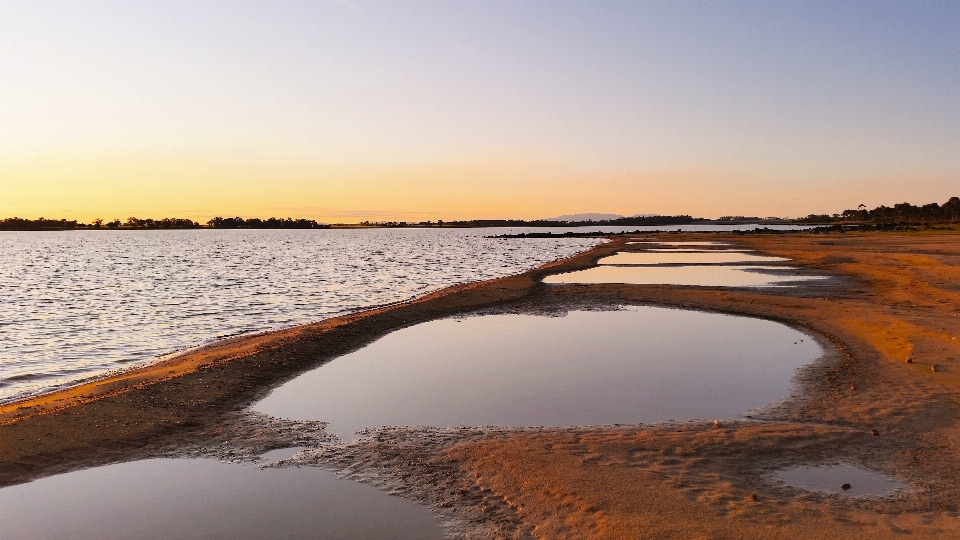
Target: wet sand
<point x="894" y="296"/>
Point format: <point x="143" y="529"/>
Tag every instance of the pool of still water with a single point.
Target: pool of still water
<point x="696" y="250"/>
<point x="841" y="479"/>
<point x="638" y="364"/>
<point x="200" y="499"/>
<point x="708" y="244"/>
<point x="687" y="257"/>
<point x="701" y="276"/>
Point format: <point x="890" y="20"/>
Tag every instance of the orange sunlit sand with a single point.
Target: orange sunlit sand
<point x="510" y="270"/>
<point x="861" y="404"/>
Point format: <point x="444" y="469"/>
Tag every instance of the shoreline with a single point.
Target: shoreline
<point x="598" y="481"/>
<point x="149" y="410"/>
<point x="195" y="357"/>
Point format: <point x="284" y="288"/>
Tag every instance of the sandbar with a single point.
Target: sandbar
<point x="891" y="297"/>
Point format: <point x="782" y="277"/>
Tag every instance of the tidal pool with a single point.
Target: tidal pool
<point x="684" y="243"/>
<point x="672" y="257"/>
<point x="703" y="276"/>
<point x="842" y="479"/>
<point x="205" y="499"/>
<point x="638" y="364"/>
<point x="698" y="250"/>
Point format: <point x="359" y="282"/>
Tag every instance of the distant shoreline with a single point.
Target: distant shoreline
<point x="903" y="214"/>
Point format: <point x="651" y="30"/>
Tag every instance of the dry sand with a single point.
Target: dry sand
<point x="894" y="296"/>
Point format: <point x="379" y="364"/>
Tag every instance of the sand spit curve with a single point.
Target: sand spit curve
<point x="894" y="296"/>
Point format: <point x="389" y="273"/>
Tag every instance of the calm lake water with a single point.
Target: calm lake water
<point x="76" y="304"/>
<point x="639" y="364"/>
<point x="201" y="499"/>
<point x="79" y="303"/>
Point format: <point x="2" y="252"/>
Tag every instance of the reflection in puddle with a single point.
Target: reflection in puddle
<point x="641" y="364"/>
<point x="202" y="499"/>
<point x="841" y="479"/>
<point x="699" y="250"/>
<point x="280" y="454"/>
<point x="684" y="243"/>
<point x="672" y="257"/>
<point x="703" y="276"/>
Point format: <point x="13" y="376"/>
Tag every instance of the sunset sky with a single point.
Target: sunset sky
<point x="353" y="110"/>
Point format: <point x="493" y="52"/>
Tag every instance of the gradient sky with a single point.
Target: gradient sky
<point x="352" y="110"/>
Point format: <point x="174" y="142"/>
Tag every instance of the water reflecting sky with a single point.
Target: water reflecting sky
<point x="642" y="364"/>
<point x="201" y="499"/>
<point x="77" y="303"/>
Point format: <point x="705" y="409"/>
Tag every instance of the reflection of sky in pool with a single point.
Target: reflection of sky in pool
<point x="859" y="482"/>
<point x="684" y="243"/>
<point x="640" y="364"/>
<point x="698" y="250"/>
<point x="673" y="257"/>
<point x="703" y="276"/>
<point x="194" y="499"/>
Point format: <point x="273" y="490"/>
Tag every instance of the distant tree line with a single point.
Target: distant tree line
<point x="751" y="218"/>
<point x="393" y="224"/>
<point x="165" y="223"/>
<point x="271" y="223"/>
<point x="907" y="213"/>
<point x="903" y="213"/>
<point x="42" y="224"/>
<point x="644" y="221"/>
<point x="625" y="221"/>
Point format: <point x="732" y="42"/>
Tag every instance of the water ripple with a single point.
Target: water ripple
<point x="76" y="304"/>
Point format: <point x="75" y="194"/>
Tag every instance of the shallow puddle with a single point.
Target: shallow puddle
<point x="684" y="243"/>
<point x="280" y="454"/>
<point x="205" y="499"/>
<point x="698" y="250"/>
<point x="703" y="276"/>
<point x="841" y="479"/>
<point x="701" y="257"/>
<point x="640" y="364"/>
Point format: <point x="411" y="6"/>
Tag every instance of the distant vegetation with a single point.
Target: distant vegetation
<point x="948" y="212"/>
<point x="903" y="213"/>
<point x="19" y="224"/>
<point x="257" y="223"/>
<point x="624" y="221"/>
<point x="42" y="224"/>
<point x="165" y="223"/>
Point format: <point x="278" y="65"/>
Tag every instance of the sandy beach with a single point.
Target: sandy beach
<point x="892" y="297"/>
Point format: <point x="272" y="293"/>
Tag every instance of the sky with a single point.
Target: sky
<point x="349" y="110"/>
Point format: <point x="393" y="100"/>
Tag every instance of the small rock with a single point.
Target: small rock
<point x="846" y="487"/>
<point x="716" y="424"/>
<point x="908" y="360"/>
<point x="875" y="432"/>
<point x="753" y="497"/>
<point x="933" y="368"/>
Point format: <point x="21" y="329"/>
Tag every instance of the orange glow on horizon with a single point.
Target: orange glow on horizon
<point x="201" y="188"/>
